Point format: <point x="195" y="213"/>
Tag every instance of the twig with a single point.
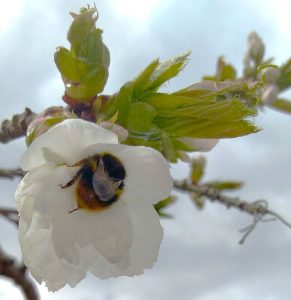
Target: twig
<point x="11" y="173"/>
<point x="15" y="128"/>
<point x="258" y="209"/>
<point x="9" y="268"/>
<point x="10" y="214"/>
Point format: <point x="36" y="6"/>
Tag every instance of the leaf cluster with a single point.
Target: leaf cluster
<point x="159" y="119"/>
<point x="84" y="67"/>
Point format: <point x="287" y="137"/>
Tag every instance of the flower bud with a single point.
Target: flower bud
<point x="121" y="132"/>
<point x="270" y="94"/>
<point x="256" y="48"/>
<point x="44" y="121"/>
<point x="271" y="75"/>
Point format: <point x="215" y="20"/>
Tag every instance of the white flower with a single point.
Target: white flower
<point x="197" y="145"/>
<point x="87" y="205"/>
<point x="121" y="132"/>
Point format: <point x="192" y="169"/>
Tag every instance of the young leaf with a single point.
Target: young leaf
<point x="67" y="64"/>
<point x="224" y="71"/>
<point x="282" y="105"/>
<point x="142" y="81"/>
<point x="201" y="117"/>
<point x="198" y="201"/>
<point x="140" y="118"/>
<point x="160" y="206"/>
<point x="168" y="148"/>
<point x="284" y="80"/>
<point x="84" y="68"/>
<point x="225" y="185"/>
<point x="168" y="70"/>
<point x="197" y="169"/>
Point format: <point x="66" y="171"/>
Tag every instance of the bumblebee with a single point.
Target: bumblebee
<point x="98" y="183"/>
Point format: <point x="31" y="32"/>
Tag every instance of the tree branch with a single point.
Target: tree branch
<point x="9" y="268"/>
<point x="11" y="173"/>
<point x="258" y="209"/>
<point x="15" y="128"/>
<point x="10" y="214"/>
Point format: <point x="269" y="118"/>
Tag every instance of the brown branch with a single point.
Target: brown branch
<point x="15" y="128"/>
<point x="18" y="273"/>
<point x="258" y="209"/>
<point x="10" y="214"/>
<point x="11" y="173"/>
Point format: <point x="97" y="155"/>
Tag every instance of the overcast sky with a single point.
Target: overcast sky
<point x="200" y="258"/>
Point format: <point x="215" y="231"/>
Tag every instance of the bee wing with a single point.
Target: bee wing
<point x="116" y="184"/>
<point x="100" y="172"/>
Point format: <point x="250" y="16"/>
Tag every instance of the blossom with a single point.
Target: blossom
<point x="197" y="145"/>
<point x="87" y="205"/>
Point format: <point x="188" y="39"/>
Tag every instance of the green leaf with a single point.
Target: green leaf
<point x="160" y="206"/>
<point x="163" y="101"/>
<point x="142" y="81"/>
<point x="84" y="67"/>
<point x="198" y="201"/>
<point x="201" y="116"/>
<point x="225" y="185"/>
<point x="168" y="70"/>
<point x="197" y="169"/>
<point x="205" y="128"/>
<point x="225" y="71"/>
<point x="122" y="102"/>
<point x="140" y="117"/>
<point x="284" y="80"/>
<point x="282" y="105"/>
<point x="67" y="65"/>
<point x="82" y="26"/>
<point x="168" y="149"/>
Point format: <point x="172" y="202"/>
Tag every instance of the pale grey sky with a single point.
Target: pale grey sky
<point x="200" y="258"/>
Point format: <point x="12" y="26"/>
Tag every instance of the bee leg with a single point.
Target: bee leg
<point x="72" y="181"/>
<point x="71" y="211"/>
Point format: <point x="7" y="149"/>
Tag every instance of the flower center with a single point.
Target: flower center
<point x="100" y="182"/>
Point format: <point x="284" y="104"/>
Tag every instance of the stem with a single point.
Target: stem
<point x="16" y="127"/>
<point x="18" y="273"/>
<point x="11" y="173"/>
<point x="258" y="209"/>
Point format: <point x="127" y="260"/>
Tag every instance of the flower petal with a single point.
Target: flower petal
<point x="64" y="142"/>
<point x="147" y="237"/>
<point x="147" y="171"/>
<point x="40" y="257"/>
<point x="108" y="231"/>
<point x="201" y="145"/>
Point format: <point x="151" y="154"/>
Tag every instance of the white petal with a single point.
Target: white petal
<point x="201" y="145"/>
<point x="147" y="171"/>
<point x="121" y="132"/>
<point x="64" y="142"/>
<point x="39" y="256"/>
<point x="109" y="231"/>
<point x="44" y="185"/>
<point x="147" y="237"/>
